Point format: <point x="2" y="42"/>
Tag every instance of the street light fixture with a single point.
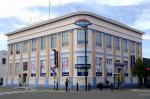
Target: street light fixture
<point x="84" y="23"/>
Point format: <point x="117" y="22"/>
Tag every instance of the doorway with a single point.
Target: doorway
<point x="24" y="79"/>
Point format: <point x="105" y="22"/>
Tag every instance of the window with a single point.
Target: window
<point x="81" y="37"/>
<point x="43" y="43"/>
<point x="33" y="45"/>
<point x="108" y="41"/>
<point x="33" y="68"/>
<point x="138" y="48"/>
<point x="3" y="61"/>
<point x="132" y="46"/>
<point x="65" y="39"/>
<point x="65" y="66"/>
<point x="25" y="66"/>
<point x="16" y="69"/>
<point x="53" y="40"/>
<point x="117" y="43"/>
<point x="98" y="66"/>
<point x="11" y="49"/>
<point x="126" y="68"/>
<point x="17" y="48"/>
<point x="10" y="69"/>
<point x="25" y="46"/>
<point x="125" y="45"/>
<point x="81" y="71"/>
<point x="42" y="68"/>
<point x="109" y="67"/>
<point x="99" y="39"/>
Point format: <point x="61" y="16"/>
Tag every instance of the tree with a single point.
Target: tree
<point x="138" y="70"/>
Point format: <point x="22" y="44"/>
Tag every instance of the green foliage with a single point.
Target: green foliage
<point x="138" y="69"/>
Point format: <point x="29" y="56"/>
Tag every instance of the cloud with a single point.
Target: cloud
<point x="146" y="37"/>
<point x="120" y="2"/>
<point x="143" y="20"/>
<point x="3" y="37"/>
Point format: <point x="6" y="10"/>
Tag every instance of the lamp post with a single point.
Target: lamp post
<point x="84" y="23"/>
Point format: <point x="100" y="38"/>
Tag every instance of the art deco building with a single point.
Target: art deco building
<point x="111" y="47"/>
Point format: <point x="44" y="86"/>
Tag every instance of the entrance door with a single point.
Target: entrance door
<point x="24" y="79"/>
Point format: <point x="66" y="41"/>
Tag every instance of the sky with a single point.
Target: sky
<point x="15" y="14"/>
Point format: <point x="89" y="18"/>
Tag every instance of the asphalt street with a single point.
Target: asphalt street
<point x="49" y="94"/>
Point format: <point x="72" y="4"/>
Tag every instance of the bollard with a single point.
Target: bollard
<point x="111" y="86"/>
<point x="77" y="87"/>
<point x="89" y="86"/>
<point x="57" y="86"/>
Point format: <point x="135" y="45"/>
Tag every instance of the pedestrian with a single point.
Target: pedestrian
<point x="66" y="84"/>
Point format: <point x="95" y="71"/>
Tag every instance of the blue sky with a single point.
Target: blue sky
<point x="15" y="14"/>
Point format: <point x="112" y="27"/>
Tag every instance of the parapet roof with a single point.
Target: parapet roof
<point x="75" y="14"/>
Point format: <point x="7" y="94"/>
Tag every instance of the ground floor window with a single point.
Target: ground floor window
<point x="16" y="69"/>
<point x="81" y="61"/>
<point x="109" y="67"/>
<point x="98" y="66"/>
<point x="52" y="65"/>
<point x="10" y="69"/>
<point x="33" y="68"/>
<point x="65" y="66"/>
<point x="126" y="68"/>
<point x="42" y="67"/>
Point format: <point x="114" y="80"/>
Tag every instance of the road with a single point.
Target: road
<point x="50" y="94"/>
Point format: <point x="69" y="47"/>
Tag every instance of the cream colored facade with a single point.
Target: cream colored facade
<point x="71" y="51"/>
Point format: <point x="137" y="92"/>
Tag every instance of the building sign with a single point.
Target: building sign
<point x="65" y="66"/>
<point x="42" y="68"/>
<point x="109" y="67"/>
<point x="98" y="66"/>
<point x="82" y="22"/>
<point x="33" y="68"/>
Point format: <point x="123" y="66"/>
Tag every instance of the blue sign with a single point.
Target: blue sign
<point x="82" y="22"/>
<point x="98" y="73"/>
<point x="82" y="65"/>
<point x="65" y="73"/>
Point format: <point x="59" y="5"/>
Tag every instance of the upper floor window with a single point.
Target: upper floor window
<point x="125" y="45"/>
<point x="81" y="37"/>
<point x="99" y="39"/>
<point x="53" y="40"/>
<point x="25" y="66"/>
<point x="65" y="39"/>
<point x="17" y="48"/>
<point x="117" y="43"/>
<point x="132" y="46"/>
<point x="43" y="43"/>
<point x="33" y="45"/>
<point x="11" y="49"/>
<point x="3" y="61"/>
<point x="25" y="46"/>
<point x="108" y="41"/>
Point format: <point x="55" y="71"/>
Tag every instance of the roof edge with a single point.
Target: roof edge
<point x="75" y="14"/>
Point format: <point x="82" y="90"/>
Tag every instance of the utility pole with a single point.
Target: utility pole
<point x="49" y="9"/>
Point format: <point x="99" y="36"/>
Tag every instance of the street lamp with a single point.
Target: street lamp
<point x="84" y="23"/>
